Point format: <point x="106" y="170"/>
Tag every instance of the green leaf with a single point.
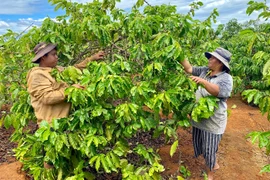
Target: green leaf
<point x="180" y="178"/>
<point x="234" y="106"/>
<point x="265" y="169"/>
<point x="53" y="136"/>
<point x="169" y="48"/>
<point x="109" y="132"/>
<point x="64" y="138"/>
<point x="55" y="124"/>
<point x="139" y="3"/>
<point x="173" y="148"/>
<point x="59" y="143"/>
<point x="105" y="164"/>
<point x="266" y="68"/>
<point x="257" y="98"/>
<point x="92" y="160"/>
<point x="73" y="141"/>
<point x="110" y="163"/>
<point x="7" y="121"/>
<point x="97" y="165"/>
<point x="127" y="66"/>
<point x="263" y="141"/>
<point x="250" y="96"/>
<point x="157" y="54"/>
<point x="45" y="135"/>
<point x="60" y="174"/>
<point x="44" y="124"/>
<point x="158" y="66"/>
<point x="254" y="136"/>
<point x="115" y="159"/>
<point x="89" y="176"/>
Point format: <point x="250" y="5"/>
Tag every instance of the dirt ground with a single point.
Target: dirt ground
<point x="238" y="158"/>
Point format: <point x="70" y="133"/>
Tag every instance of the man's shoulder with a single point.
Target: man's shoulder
<point x="39" y="70"/>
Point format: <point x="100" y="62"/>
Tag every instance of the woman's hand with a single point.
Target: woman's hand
<point x="197" y="79"/>
<point x="210" y="87"/>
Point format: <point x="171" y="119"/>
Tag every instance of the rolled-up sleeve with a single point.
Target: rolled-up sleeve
<point x="46" y="91"/>
<point x="198" y="70"/>
<point x="83" y="64"/>
<point x="225" y="87"/>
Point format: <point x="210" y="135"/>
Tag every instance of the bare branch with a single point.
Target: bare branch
<point x="147" y="3"/>
<point x="24" y="30"/>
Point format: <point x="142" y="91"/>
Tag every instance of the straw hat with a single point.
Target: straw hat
<point x="41" y="49"/>
<point x="221" y="54"/>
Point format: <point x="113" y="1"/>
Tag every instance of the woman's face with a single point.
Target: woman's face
<point x="214" y="63"/>
<point x="51" y="59"/>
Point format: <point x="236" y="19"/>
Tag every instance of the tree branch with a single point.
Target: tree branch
<point x="24" y="30"/>
<point x="86" y="51"/>
<point x="147" y="3"/>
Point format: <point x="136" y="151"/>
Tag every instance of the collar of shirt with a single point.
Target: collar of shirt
<point x="218" y="74"/>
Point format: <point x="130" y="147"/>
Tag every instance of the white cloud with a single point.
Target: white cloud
<point x="20" y="25"/>
<point x="3" y="24"/>
<point x="14" y="26"/>
<point x="18" y="6"/>
<point x="216" y="4"/>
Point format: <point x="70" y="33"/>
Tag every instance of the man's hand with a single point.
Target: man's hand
<point x="78" y="86"/>
<point x="98" y="56"/>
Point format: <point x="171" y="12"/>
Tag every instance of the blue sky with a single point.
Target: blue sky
<point x="17" y="15"/>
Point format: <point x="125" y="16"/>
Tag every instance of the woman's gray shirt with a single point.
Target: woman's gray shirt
<point x="217" y="123"/>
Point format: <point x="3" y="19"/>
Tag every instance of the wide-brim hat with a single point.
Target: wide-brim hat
<point x="222" y="55"/>
<point x="41" y="49"/>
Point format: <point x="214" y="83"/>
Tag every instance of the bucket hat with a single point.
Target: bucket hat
<point x="41" y="49"/>
<point x="221" y="54"/>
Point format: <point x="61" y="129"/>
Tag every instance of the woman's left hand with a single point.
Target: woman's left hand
<point x="197" y="79"/>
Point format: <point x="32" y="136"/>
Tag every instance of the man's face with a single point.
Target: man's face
<point x="51" y="59"/>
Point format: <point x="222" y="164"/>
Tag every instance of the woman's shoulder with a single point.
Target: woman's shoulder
<point x="226" y="76"/>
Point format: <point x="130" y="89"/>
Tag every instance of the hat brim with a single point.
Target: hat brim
<point x="44" y="51"/>
<point x="220" y="58"/>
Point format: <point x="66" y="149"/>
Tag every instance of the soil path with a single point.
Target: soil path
<point x="238" y="158"/>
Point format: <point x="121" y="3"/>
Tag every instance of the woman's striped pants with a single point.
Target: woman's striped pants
<point x="206" y="143"/>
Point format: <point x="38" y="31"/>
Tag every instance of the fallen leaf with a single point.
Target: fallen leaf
<point x="234" y="106"/>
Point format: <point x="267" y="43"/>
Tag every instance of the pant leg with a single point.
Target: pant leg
<point x="210" y="147"/>
<point x="197" y="141"/>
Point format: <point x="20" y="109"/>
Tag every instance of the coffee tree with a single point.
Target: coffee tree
<point x="260" y="94"/>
